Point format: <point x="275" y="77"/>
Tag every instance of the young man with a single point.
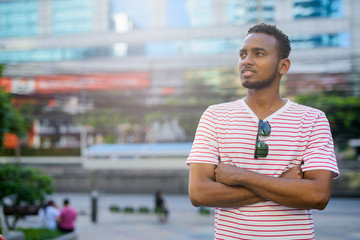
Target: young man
<point x="262" y="161"/>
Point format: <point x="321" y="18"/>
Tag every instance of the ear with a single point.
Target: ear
<point x="284" y="66"/>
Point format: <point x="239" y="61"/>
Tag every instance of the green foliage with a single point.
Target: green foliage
<point x="23" y="185"/>
<point x="11" y="121"/>
<point x="27" y="112"/>
<point x="204" y="211"/>
<point x="129" y="209"/>
<point x="2" y="67"/>
<point x="342" y="112"/>
<point x="144" y="210"/>
<point x="114" y="208"/>
<point x="39" y="233"/>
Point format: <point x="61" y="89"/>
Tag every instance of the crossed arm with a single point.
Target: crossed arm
<point x="225" y="186"/>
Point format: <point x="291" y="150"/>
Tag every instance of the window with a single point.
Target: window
<point x="19" y="18"/>
<point x="324" y="40"/>
<point x="244" y="11"/>
<point x="318" y="8"/>
<point x="57" y="54"/>
<point x="71" y="17"/>
<point x="129" y="15"/>
<point x="188" y="13"/>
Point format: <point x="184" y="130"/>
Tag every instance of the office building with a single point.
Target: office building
<point x="63" y="51"/>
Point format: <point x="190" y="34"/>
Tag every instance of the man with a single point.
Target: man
<point x="66" y="220"/>
<point x="263" y="161"/>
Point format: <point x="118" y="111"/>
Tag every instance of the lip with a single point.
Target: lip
<point x="248" y="72"/>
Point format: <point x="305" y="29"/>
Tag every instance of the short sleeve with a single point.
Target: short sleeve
<point x="319" y="153"/>
<point x="205" y="148"/>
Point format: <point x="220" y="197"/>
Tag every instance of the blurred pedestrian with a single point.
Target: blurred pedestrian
<point x="160" y="207"/>
<point x="66" y="220"/>
<point x="50" y="215"/>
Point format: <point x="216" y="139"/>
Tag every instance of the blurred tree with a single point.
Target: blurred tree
<point x="342" y="112"/>
<point x="11" y="121"/>
<point x="22" y="186"/>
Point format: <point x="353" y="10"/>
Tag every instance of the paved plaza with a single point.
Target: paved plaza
<point x="340" y="220"/>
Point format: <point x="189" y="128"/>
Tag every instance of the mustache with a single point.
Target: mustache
<point x="244" y="69"/>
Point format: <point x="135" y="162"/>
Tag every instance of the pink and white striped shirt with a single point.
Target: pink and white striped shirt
<point x="298" y="133"/>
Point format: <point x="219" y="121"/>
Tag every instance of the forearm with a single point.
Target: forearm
<point x="205" y="191"/>
<point x="297" y="193"/>
<point x="213" y="194"/>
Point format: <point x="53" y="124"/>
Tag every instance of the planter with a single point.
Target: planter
<point x="14" y="235"/>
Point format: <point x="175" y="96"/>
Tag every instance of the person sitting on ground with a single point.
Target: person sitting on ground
<point x="66" y="220"/>
<point x="51" y="213"/>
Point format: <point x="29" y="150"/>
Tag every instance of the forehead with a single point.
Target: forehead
<point x="260" y="40"/>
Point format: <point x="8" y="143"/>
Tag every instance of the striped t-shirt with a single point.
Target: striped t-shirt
<point x="298" y="133"/>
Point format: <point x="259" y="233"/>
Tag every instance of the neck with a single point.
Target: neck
<point x="264" y="103"/>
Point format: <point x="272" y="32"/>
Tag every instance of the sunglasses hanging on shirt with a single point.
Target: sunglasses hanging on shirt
<point x="261" y="148"/>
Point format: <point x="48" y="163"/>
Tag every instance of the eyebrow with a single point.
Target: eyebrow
<point x="253" y="49"/>
<point x="258" y="49"/>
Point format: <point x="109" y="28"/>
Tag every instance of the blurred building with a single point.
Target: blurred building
<point x="60" y="50"/>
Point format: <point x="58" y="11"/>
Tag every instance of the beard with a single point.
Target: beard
<point x="261" y="83"/>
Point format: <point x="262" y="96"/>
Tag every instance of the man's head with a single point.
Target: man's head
<point x="66" y="202"/>
<point x="263" y="57"/>
<point x="283" y="42"/>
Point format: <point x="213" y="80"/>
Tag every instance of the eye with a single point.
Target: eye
<point x="242" y="55"/>
<point x="259" y="54"/>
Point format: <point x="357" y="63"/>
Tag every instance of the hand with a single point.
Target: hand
<point x="227" y="174"/>
<point x="294" y="172"/>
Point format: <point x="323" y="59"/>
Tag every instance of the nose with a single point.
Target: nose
<point x="247" y="60"/>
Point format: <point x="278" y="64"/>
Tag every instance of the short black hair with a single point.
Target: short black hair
<point x="283" y="42"/>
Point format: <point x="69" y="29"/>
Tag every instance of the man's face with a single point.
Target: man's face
<point x="258" y="61"/>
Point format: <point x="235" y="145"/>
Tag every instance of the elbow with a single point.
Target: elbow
<point x="320" y="201"/>
<point x="195" y="202"/>
<point x="196" y="197"/>
<point x="321" y="205"/>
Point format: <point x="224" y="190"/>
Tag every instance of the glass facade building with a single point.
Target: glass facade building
<point x="180" y="46"/>
<point x="24" y="19"/>
<point x="21" y="19"/>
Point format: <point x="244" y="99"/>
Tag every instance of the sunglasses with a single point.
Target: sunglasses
<point x="261" y="148"/>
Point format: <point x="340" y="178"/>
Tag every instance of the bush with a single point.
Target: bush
<point x="39" y="233"/>
<point x="129" y="210"/>
<point x="22" y="186"/>
<point x="114" y="208"/>
<point x="144" y="210"/>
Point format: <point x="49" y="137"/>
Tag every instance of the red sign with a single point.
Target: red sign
<point x="74" y="83"/>
<point x="6" y="84"/>
<point x="11" y="141"/>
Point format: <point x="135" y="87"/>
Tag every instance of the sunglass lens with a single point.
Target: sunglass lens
<point x="264" y="128"/>
<point x="262" y="149"/>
